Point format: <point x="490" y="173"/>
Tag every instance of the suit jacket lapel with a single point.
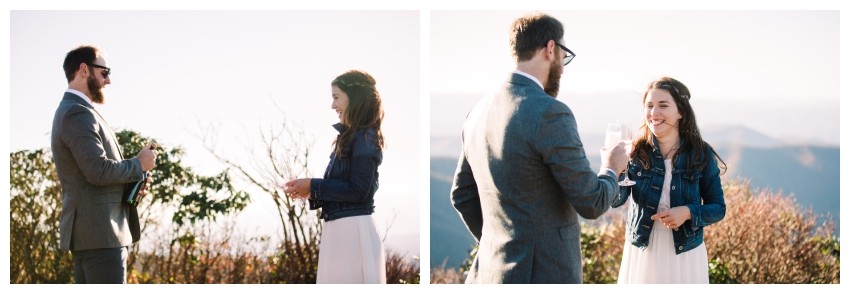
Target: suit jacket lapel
<point x="100" y="120"/>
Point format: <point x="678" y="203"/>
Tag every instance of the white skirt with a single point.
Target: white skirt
<point x="350" y="252"/>
<point x="659" y="264"/>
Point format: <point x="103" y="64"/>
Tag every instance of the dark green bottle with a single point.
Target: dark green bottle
<point x="131" y="191"/>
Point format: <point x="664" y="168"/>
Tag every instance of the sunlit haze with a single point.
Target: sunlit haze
<point x="177" y="72"/>
<point x="771" y="71"/>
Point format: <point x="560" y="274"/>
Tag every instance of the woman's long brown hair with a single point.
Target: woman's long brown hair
<point x="688" y="130"/>
<point x="364" y="109"/>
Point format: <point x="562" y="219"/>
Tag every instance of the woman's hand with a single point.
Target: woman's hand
<point x="674" y="217"/>
<point x="298" y="188"/>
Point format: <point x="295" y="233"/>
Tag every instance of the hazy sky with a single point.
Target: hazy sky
<point x="773" y="71"/>
<point x="222" y="67"/>
<point x="176" y="70"/>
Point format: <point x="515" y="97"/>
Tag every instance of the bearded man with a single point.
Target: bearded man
<point x="96" y="224"/>
<point x="523" y="178"/>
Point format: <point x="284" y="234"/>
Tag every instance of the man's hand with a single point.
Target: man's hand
<point x="615" y="158"/>
<point x="147" y="157"/>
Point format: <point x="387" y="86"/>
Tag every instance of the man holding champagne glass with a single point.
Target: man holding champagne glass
<point x="620" y="132"/>
<point x="523" y="177"/>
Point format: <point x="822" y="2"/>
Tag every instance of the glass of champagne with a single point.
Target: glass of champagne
<point x="620" y="132"/>
<point x="626" y="137"/>
<point x="613" y="135"/>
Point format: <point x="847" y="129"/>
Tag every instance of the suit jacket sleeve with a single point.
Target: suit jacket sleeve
<point x="465" y="199"/>
<point x="80" y="134"/>
<point x="558" y="143"/>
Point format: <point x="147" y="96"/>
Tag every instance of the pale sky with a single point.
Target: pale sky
<point x="772" y="71"/>
<point x="174" y="70"/>
<point x="205" y="67"/>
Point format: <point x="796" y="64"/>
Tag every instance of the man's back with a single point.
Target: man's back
<point x="524" y="170"/>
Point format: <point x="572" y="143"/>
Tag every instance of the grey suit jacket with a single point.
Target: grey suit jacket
<point x="93" y="174"/>
<point x="521" y="181"/>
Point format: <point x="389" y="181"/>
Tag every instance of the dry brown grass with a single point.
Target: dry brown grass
<point x="766" y="237"/>
<point x="447" y="276"/>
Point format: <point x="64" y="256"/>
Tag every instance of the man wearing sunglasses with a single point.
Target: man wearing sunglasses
<point x="523" y="178"/>
<point x="95" y="224"/>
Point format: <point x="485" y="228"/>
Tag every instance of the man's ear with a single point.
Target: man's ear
<point x="550" y="50"/>
<point x="83" y="70"/>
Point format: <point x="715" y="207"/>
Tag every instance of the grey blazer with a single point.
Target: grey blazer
<point x="521" y="181"/>
<point x="93" y="174"/>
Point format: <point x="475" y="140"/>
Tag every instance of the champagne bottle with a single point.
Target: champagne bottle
<point x="131" y="190"/>
<point x="132" y="196"/>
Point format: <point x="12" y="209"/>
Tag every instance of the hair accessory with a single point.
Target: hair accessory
<point x="353" y="84"/>
<point x="672" y="88"/>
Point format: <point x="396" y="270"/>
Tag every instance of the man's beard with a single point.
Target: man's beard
<point x="553" y="81"/>
<point x="95" y="90"/>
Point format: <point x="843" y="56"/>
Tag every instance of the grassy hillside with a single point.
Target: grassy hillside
<point x="809" y="175"/>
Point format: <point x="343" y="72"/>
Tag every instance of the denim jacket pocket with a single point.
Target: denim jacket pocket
<point x="690" y="180"/>
<point x="642" y="178"/>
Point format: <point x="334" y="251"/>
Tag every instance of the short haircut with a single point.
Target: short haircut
<point x="83" y="54"/>
<point x="531" y="32"/>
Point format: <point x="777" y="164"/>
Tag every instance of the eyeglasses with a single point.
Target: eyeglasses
<point x="104" y="73"/>
<point x="570" y="55"/>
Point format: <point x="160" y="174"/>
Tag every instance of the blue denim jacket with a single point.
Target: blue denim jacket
<point x="349" y="184"/>
<point x="699" y="190"/>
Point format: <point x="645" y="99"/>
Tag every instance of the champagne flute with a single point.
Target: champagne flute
<point x="613" y="134"/>
<point x="626" y="137"/>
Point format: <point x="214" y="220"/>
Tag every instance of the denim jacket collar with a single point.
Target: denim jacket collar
<point x="658" y="158"/>
<point x="698" y="190"/>
<point x="340" y="127"/>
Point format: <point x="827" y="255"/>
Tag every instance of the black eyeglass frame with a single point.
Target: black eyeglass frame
<point x="569" y="56"/>
<point x="105" y="73"/>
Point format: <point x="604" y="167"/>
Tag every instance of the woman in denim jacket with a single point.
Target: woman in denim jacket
<point x="350" y="250"/>
<point x="677" y="192"/>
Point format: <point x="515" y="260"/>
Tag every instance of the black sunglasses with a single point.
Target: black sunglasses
<point x="104" y="73"/>
<point x="569" y="56"/>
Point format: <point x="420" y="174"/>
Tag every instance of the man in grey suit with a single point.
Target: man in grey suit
<point x="95" y="225"/>
<point x="523" y="176"/>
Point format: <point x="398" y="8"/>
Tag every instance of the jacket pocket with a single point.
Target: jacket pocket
<point x="642" y="178"/>
<point x="569" y="232"/>
<point x="690" y="180"/>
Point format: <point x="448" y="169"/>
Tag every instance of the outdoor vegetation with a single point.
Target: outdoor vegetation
<point x="766" y="237"/>
<point x="198" y="242"/>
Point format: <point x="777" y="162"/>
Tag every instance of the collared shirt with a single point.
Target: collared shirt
<point x="530" y="77"/>
<point x="78" y="93"/>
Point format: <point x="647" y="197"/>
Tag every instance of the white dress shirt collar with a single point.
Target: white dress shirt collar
<point x="530" y="77"/>
<point x="78" y="93"/>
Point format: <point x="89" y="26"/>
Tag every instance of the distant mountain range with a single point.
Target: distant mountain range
<point x="767" y="123"/>
<point x="811" y="173"/>
<point x="719" y="136"/>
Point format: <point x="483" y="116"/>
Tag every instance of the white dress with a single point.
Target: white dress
<point x="350" y="252"/>
<point x="658" y="263"/>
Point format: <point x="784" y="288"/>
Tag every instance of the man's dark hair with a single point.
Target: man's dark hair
<point x="83" y="54"/>
<point x="531" y="32"/>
